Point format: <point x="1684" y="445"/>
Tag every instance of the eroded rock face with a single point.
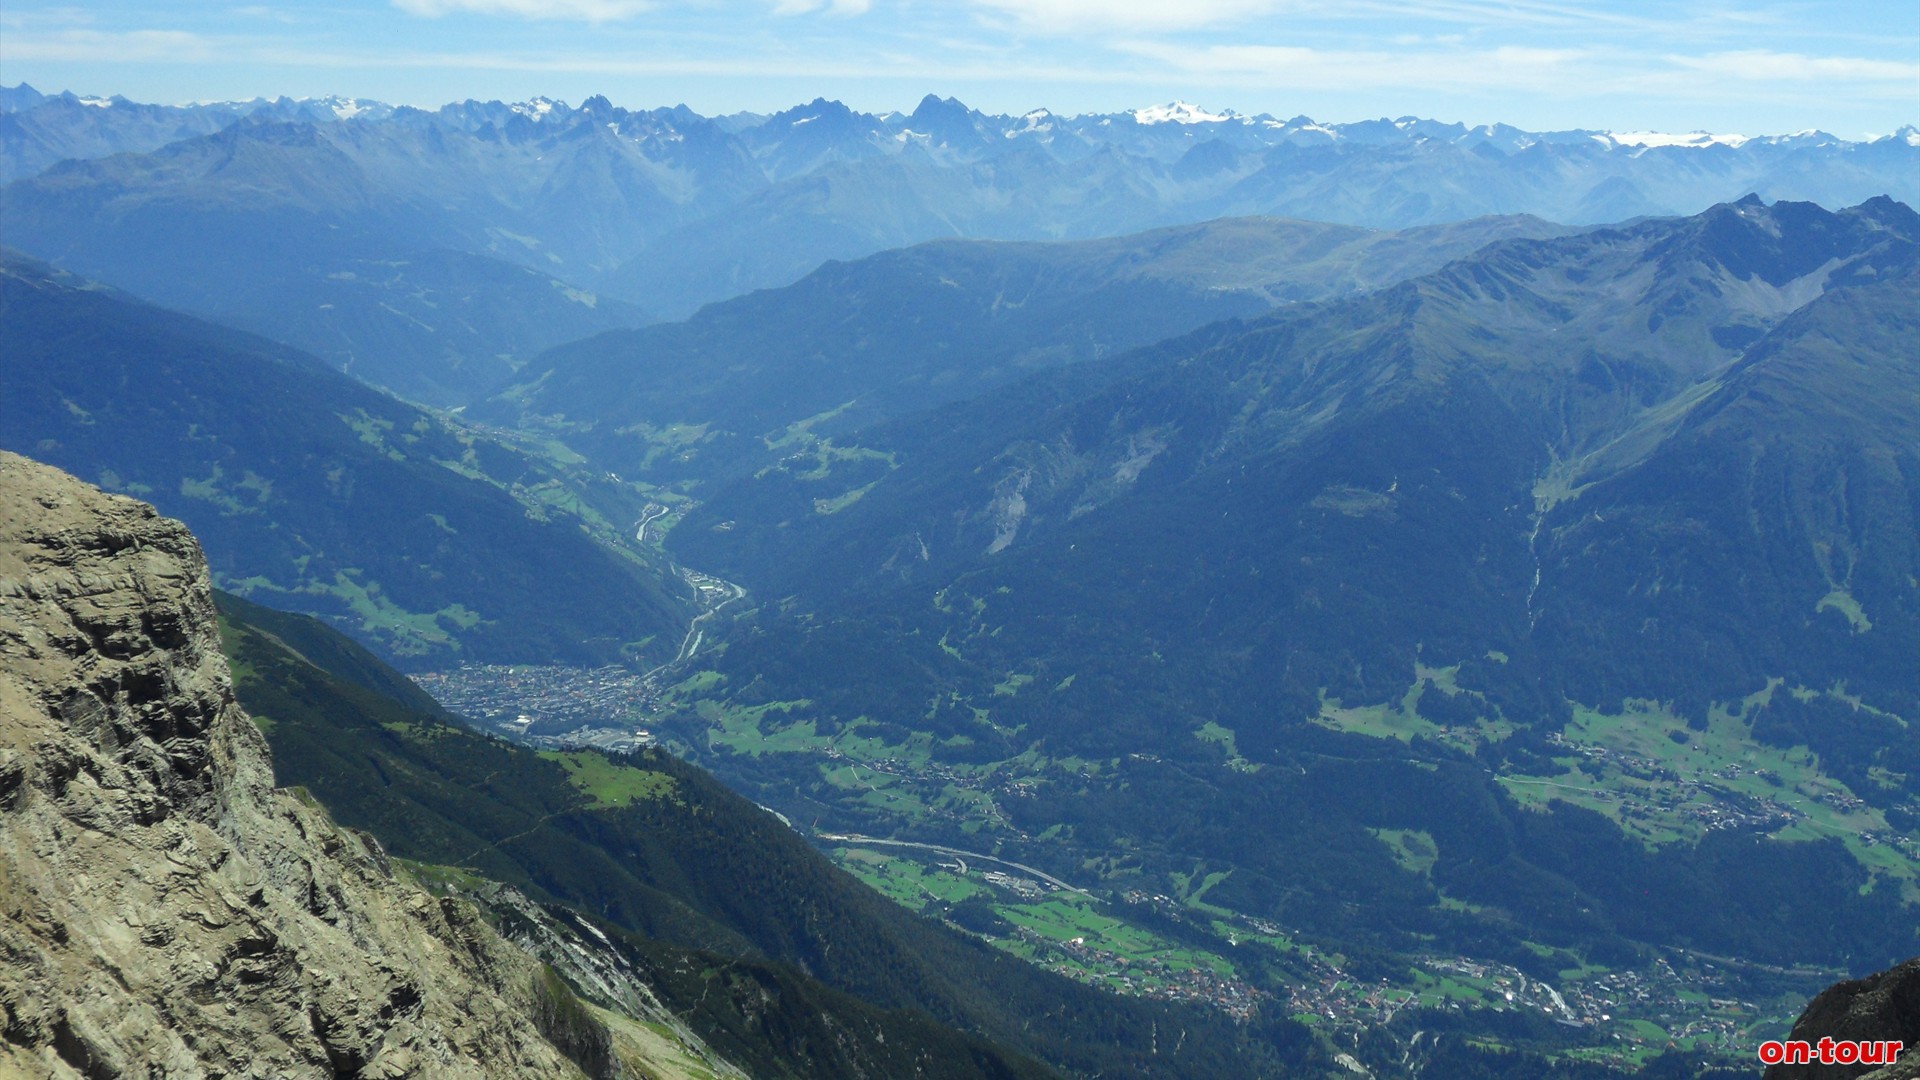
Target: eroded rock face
<point x="1879" y="1008"/>
<point x="163" y="910"/>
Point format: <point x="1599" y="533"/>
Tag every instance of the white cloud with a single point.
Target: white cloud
<point x="1509" y="14"/>
<point x="1292" y="66"/>
<point x="1133" y="15"/>
<point x="836" y="7"/>
<point x="1759" y="65"/>
<point x="1369" y="16"/>
<point x="1585" y="72"/>
<point x="99" y="46"/>
<point x="267" y="12"/>
<point x="575" y="10"/>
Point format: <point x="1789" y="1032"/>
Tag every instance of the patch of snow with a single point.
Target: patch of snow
<point x="805" y="120"/>
<point x="1809" y="137"/>
<point x="1037" y="122"/>
<point x="1298" y="125"/>
<point x="97" y="102"/>
<point x="536" y="109"/>
<point x="1661" y="138"/>
<point x="1180" y="112"/>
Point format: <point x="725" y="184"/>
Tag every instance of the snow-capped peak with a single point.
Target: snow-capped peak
<point x="345" y="108"/>
<point x="1180" y="112"/>
<point x="537" y="108"/>
<point x="1303" y="124"/>
<point x="1662" y="138"/>
<point x="1037" y="122"/>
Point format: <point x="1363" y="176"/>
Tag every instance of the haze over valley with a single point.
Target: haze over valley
<point x="815" y="592"/>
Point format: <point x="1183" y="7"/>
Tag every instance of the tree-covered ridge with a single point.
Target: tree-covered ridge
<point x="313" y="490"/>
<point x="656" y="847"/>
<point x="1551" y="608"/>
<point x="761" y="378"/>
<point x="1390" y="472"/>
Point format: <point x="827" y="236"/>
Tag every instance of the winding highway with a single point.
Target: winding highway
<point x="855" y="838"/>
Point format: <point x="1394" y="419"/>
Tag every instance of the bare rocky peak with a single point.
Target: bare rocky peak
<point x="163" y="910"/>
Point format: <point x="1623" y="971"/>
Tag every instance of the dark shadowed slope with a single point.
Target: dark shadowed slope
<point x="1643" y="494"/>
<point x="657" y="847"/>
<point x="765" y="376"/>
<point x="417" y="535"/>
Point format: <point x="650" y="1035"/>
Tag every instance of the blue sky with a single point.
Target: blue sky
<point x="1852" y="68"/>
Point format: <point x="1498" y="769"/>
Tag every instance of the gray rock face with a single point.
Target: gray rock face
<point x="1878" y="1008"/>
<point x="163" y="910"/>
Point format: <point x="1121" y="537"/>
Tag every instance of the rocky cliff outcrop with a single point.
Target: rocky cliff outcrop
<point x="1879" y="1008"/>
<point x="164" y="911"/>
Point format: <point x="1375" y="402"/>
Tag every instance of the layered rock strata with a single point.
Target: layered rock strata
<point x="164" y="911"/>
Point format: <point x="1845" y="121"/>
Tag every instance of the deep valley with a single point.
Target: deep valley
<point x="826" y="593"/>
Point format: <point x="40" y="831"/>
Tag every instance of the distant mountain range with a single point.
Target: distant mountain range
<point x="234" y="210"/>
<point x="767" y="376"/>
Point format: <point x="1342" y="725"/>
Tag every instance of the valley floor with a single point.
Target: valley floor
<point x="1166" y="939"/>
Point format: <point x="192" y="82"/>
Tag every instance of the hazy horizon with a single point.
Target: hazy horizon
<point x="1848" y="69"/>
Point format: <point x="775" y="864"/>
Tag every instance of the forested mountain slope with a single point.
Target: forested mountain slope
<point x="1600" y="544"/>
<point x="707" y="882"/>
<point x="423" y="537"/>
<point x="1428" y="445"/>
<point x="770" y="375"/>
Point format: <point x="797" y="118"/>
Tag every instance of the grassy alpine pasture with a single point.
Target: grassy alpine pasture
<point x="609" y="783"/>
<point x="1665" y="782"/>
<point x="1074" y="934"/>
